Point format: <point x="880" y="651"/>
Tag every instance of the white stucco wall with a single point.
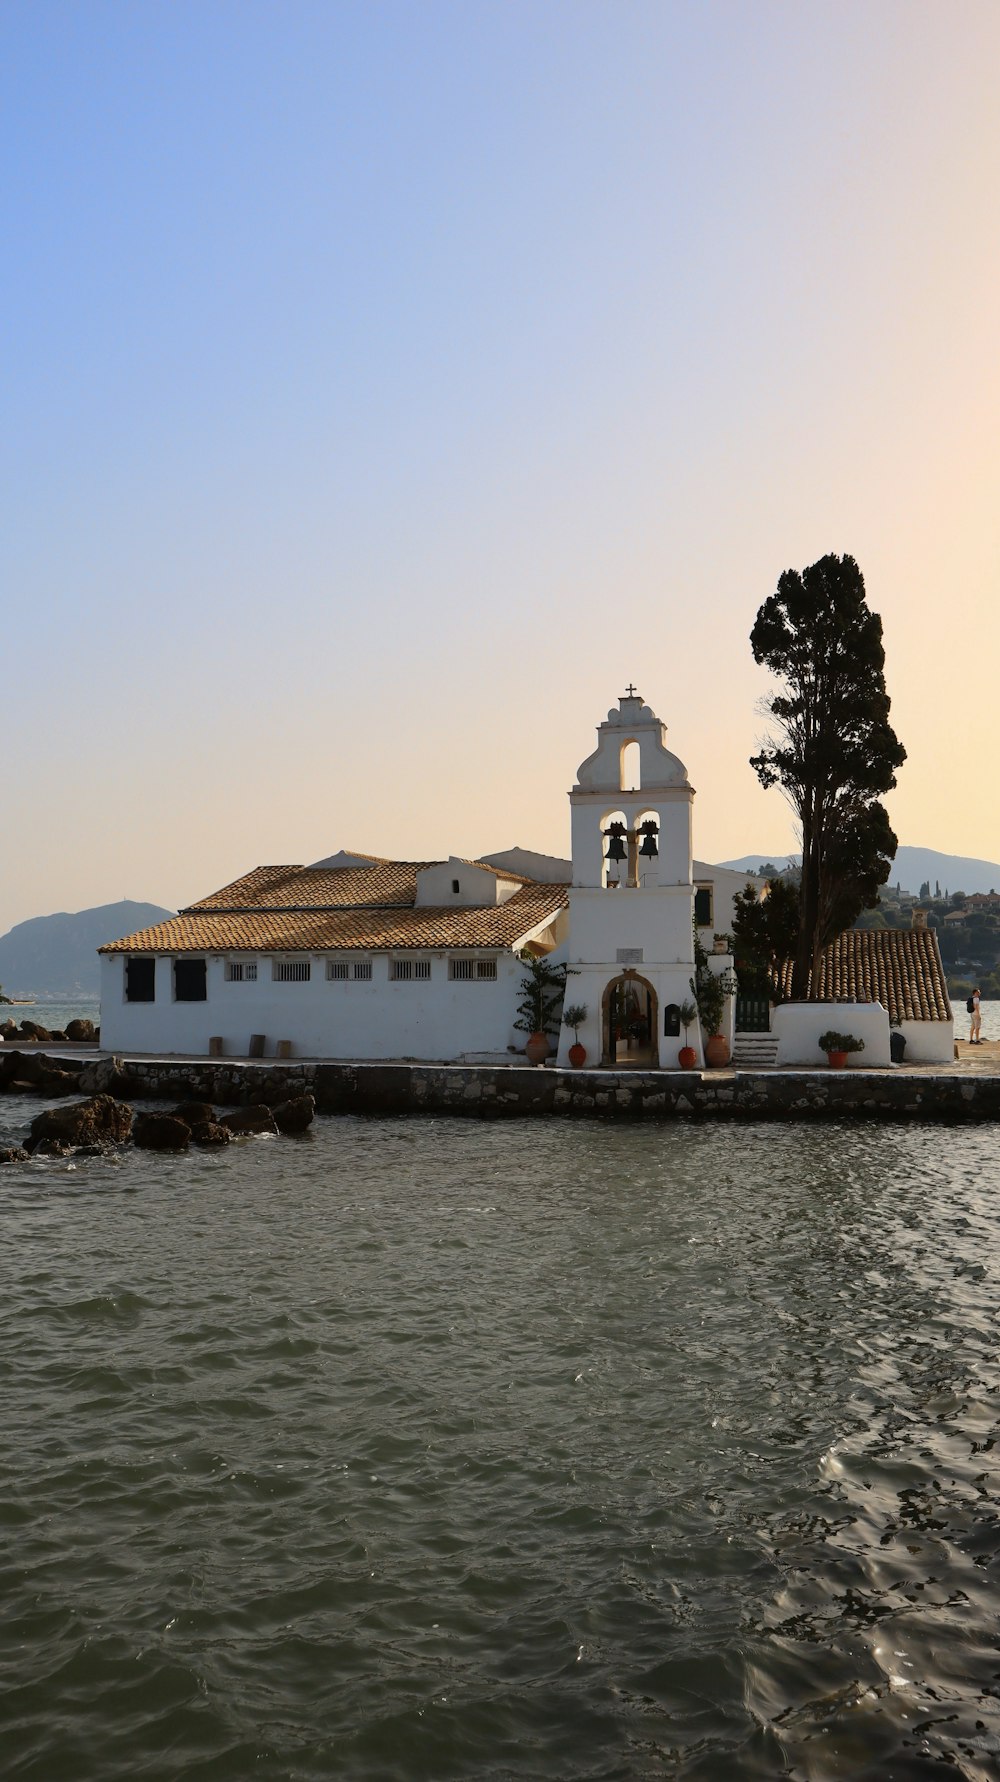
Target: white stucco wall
<point x="657" y="921"/>
<point x="476" y="888"/>
<point x="928" y="1042"/>
<point x="442" y="1019"/>
<point x="798" y="1025"/>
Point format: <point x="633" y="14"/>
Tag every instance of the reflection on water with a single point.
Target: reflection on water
<point x="434" y="1449"/>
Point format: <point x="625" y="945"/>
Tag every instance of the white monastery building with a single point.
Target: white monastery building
<point x="359" y="957"/>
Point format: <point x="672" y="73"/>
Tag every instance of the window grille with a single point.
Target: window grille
<point x="408" y="971"/>
<point x="362" y="968"/>
<point x="241" y="971"/>
<point x="336" y="969"/>
<point x="291" y="971"/>
<point x="468" y="971"/>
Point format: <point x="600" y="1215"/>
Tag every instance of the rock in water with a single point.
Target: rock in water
<point x="295" y="1114"/>
<point x="57" y="1082"/>
<point x="245" y="1120"/>
<point x="211" y="1132"/>
<point x="19" y="1067"/>
<point x="13" y="1154"/>
<point x="80" y="1029"/>
<point x="32" y="1031"/>
<point x="194" y="1113"/>
<point x="101" y="1120"/>
<point x="98" y="1078"/>
<point x="160" y="1132"/>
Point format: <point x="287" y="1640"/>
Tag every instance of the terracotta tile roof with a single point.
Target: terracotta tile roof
<point x="207" y="928"/>
<point x="898" y="967"/>
<point x="386" y="883"/>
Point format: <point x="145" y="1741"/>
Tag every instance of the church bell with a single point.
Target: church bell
<point x="649" y="847"/>
<point x="616" y="842"/>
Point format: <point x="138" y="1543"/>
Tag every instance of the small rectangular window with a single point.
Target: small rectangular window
<point x="471" y="971"/>
<point x="362" y="969"/>
<point x="140" y="980"/>
<point x="703" y="906"/>
<point x="408" y="971"/>
<point x="454" y="887"/>
<point x="190" y="980"/>
<point x="241" y="971"/>
<point x="291" y="971"/>
<point x="336" y="969"/>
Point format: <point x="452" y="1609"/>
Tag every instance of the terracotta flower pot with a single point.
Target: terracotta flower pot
<point x="837" y="1060"/>
<point x="538" y="1048"/>
<point x="716" y="1051"/>
<point x="577" y="1055"/>
<point x="687" y="1058"/>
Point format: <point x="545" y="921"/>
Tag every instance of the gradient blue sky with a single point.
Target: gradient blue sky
<point x="387" y="384"/>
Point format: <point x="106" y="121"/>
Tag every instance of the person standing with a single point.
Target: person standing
<point x="977" y="1019"/>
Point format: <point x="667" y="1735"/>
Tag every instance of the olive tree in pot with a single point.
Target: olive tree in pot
<point x="837" y="1047"/>
<point x="542" y="989"/>
<point x="574" y="1017"/>
<point x="687" y="1057"/>
<point x="710" y="990"/>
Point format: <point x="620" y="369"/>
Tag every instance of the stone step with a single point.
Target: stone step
<point x="755" y="1051"/>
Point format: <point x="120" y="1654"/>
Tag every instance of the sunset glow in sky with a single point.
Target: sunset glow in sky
<point x="387" y="384"/>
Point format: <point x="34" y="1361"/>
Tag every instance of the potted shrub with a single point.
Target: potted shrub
<point x="687" y="1057"/>
<point x="710" y="990"/>
<point x="542" y="989"/>
<point x="574" y="1017"/>
<point x="838" y="1047"/>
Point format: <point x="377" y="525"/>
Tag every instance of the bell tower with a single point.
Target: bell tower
<point x="631" y="902"/>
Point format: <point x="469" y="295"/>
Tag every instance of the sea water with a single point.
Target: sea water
<point x="430" y="1449"/>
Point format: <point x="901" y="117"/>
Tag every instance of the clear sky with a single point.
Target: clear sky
<point x="387" y="384"/>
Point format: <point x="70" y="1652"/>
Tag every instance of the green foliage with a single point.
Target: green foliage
<point x="3" y="998"/>
<point x="840" y="1042"/>
<point x="709" y="989"/>
<point x="574" y="1017"/>
<point x="542" y="989"/>
<point x="833" y="752"/>
<point x="687" y="1014"/>
<point x="765" y="931"/>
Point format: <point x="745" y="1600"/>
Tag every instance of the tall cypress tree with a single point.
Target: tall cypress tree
<point x="833" y="751"/>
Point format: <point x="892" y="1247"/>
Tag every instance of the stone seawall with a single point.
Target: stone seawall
<point x="497" y="1092"/>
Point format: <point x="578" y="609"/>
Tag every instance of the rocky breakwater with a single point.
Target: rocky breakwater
<point x="80" y="1031"/>
<point x="106" y="1119"/>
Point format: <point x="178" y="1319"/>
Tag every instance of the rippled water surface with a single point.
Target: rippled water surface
<point x="439" y="1449"/>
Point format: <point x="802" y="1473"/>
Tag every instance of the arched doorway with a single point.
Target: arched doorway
<point x="630" y="1023"/>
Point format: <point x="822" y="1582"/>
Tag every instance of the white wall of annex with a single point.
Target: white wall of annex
<point x="439" y="1020"/>
<point x="797" y="1027"/>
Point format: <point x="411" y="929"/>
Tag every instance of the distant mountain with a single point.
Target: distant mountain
<point x="750" y="862"/>
<point x="57" y="955"/>
<point x="911" y="868"/>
